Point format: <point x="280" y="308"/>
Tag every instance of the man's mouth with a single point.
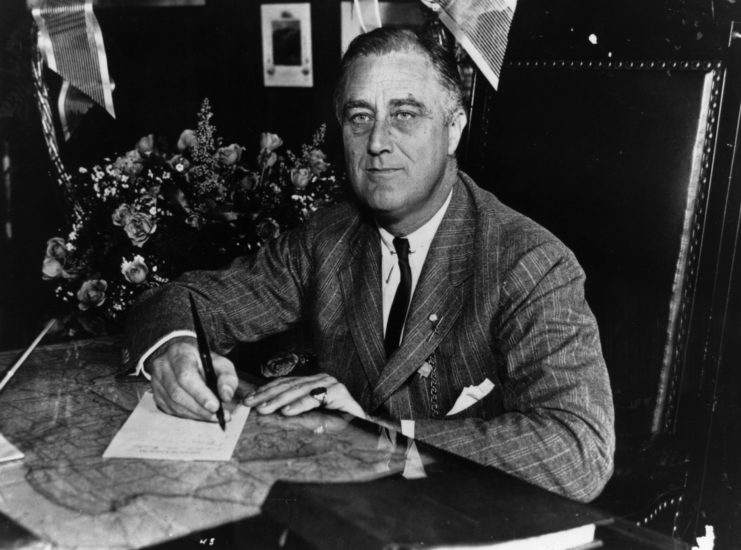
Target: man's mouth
<point x="382" y="171"/>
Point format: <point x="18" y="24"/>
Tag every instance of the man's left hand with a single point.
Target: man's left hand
<point x="293" y="395"/>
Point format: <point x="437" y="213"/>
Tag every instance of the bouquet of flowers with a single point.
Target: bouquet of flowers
<point x="143" y="218"/>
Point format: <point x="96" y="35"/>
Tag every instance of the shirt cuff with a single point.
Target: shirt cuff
<point x="407" y="428"/>
<point x="157" y="344"/>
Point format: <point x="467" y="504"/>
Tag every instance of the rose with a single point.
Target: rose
<point x="55" y="259"/>
<point x="135" y="271"/>
<point x="139" y="227"/>
<point x="318" y="162"/>
<point x="52" y="269"/>
<point x="92" y="293"/>
<point x="121" y="215"/>
<point x="248" y="182"/>
<point x="269" y="142"/>
<point x="145" y="145"/>
<point x="267" y="159"/>
<point x="187" y="140"/>
<point x="130" y="164"/>
<point x="56" y="249"/>
<point x="300" y="177"/>
<point x="267" y="229"/>
<point x="230" y="154"/>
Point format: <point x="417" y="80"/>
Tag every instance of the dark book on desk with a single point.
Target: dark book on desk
<point x="14" y="535"/>
<point x="438" y="511"/>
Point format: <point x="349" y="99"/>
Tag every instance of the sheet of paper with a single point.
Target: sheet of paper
<point x="8" y="451"/>
<point x="150" y="433"/>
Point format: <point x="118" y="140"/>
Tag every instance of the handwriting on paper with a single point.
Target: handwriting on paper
<point x="150" y="433"/>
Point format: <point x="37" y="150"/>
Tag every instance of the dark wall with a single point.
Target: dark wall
<point x="164" y="61"/>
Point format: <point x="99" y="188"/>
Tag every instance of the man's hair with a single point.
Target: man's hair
<point x="385" y="40"/>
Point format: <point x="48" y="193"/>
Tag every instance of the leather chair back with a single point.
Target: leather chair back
<point x="615" y="158"/>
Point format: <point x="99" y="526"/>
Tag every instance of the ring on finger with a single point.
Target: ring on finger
<point x="320" y="394"/>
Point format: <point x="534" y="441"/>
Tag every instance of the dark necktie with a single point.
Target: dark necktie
<point x="399" y="306"/>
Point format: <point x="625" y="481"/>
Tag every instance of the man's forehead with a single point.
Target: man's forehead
<point x="392" y="78"/>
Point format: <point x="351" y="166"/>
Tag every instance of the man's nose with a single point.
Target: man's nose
<point x="379" y="140"/>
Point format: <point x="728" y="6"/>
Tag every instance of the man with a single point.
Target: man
<point x="496" y="301"/>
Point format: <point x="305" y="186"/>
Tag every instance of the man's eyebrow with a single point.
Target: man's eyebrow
<point x="356" y="104"/>
<point x="408" y="102"/>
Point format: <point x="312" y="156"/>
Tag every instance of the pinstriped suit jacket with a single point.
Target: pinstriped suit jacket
<point x="510" y="307"/>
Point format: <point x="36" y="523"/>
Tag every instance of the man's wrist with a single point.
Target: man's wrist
<point x="159" y="347"/>
<point x="164" y="347"/>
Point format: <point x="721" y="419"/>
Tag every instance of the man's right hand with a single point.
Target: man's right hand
<point x="179" y="385"/>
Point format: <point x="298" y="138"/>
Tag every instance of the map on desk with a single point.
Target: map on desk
<point x="63" y="408"/>
<point x="150" y="433"/>
<point x="8" y="451"/>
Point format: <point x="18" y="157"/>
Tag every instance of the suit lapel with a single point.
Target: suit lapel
<point x="361" y="290"/>
<point x="438" y="298"/>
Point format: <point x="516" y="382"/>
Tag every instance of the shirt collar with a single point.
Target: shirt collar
<point x="421" y="237"/>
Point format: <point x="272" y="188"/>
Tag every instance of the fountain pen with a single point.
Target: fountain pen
<point x="208" y="366"/>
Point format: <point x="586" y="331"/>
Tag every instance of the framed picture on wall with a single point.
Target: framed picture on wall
<point x="286" y="45"/>
<point x="360" y="17"/>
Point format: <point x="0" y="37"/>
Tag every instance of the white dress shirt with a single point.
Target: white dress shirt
<point x="419" y="245"/>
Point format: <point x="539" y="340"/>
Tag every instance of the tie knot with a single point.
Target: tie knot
<point x="402" y="248"/>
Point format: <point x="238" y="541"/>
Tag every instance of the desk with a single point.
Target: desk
<point x="62" y="409"/>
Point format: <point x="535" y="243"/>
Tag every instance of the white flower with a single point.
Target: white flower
<point x="134" y="271"/>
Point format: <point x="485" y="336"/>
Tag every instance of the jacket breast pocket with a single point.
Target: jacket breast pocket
<point x="477" y="401"/>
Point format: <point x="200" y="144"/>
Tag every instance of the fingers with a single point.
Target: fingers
<point x="292" y="393"/>
<point x="291" y="396"/>
<point x="179" y="386"/>
<point x="180" y="404"/>
<point x="226" y="375"/>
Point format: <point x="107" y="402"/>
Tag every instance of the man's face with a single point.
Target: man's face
<point x="399" y="138"/>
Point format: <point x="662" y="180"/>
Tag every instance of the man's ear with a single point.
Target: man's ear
<point x="456" y="125"/>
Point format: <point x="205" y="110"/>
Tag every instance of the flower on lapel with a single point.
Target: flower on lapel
<point x="268" y="229"/>
<point x="279" y="365"/>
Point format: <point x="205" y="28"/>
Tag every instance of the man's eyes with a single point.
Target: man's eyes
<point x="360" y="118"/>
<point x="397" y="116"/>
<point x="403" y="115"/>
